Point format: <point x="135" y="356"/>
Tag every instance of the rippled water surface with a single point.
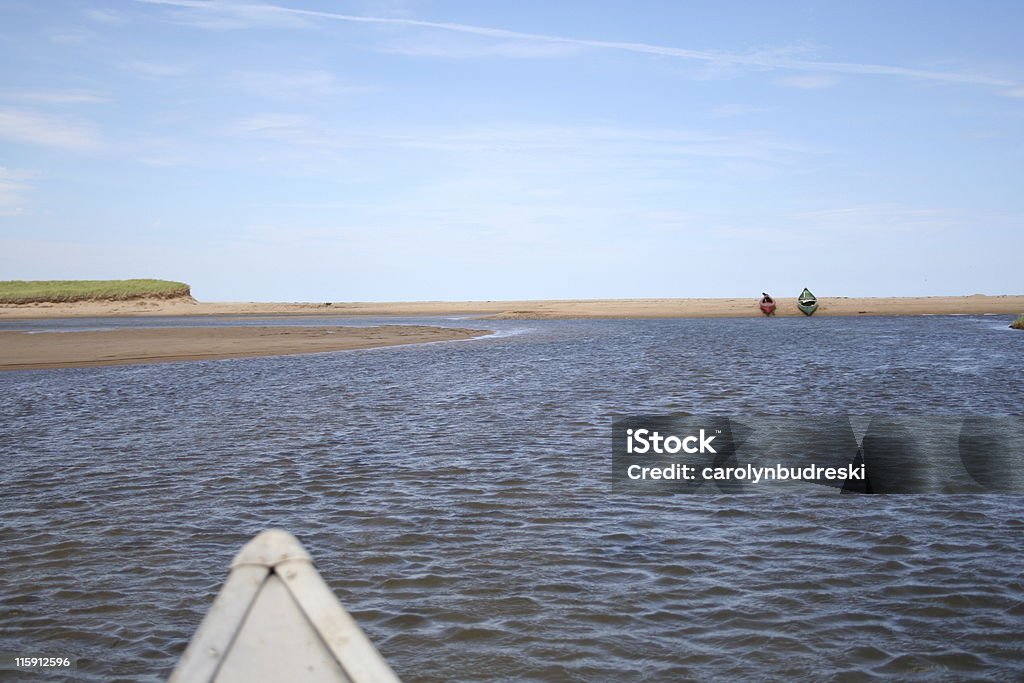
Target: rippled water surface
<point x="457" y="498"/>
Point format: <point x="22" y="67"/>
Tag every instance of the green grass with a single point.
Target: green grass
<point x="57" y="291"/>
<point x="1018" y="324"/>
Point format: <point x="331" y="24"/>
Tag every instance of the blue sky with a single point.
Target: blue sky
<point x="473" y="150"/>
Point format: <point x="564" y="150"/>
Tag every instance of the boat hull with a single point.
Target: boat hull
<point x="807" y="302"/>
<point x="808" y="309"/>
<point x="276" y="620"/>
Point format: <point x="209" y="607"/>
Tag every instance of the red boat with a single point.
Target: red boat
<point x="767" y="304"/>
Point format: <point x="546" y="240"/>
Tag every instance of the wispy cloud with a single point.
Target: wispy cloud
<point x="294" y="129"/>
<point x="298" y="140"/>
<point x="450" y="49"/>
<point x="106" y="16"/>
<point x="13" y="188"/>
<point x="736" y="109"/>
<point x="809" y="81"/>
<point x="243" y="15"/>
<point x="591" y="141"/>
<point x="289" y="84"/>
<point x="878" y="217"/>
<point x="156" y="69"/>
<point x="54" y="96"/>
<point x="231" y="16"/>
<point x="70" y="35"/>
<point x="27" y="127"/>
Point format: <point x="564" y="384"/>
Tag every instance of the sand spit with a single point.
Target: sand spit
<point x="27" y="351"/>
<point x="582" y="308"/>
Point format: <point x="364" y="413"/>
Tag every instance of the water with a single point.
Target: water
<point x="457" y="498"/>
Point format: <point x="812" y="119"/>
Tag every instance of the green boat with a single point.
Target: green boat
<point x="807" y="302"/>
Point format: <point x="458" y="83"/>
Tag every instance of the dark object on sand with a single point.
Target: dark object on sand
<point x="767" y="304"/>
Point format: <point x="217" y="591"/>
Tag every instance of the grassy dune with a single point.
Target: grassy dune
<point x="59" y="291"/>
<point x="1018" y="324"/>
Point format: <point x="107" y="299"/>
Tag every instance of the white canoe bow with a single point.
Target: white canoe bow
<point x="276" y="620"/>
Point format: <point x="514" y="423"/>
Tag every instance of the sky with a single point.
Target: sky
<point x="386" y="150"/>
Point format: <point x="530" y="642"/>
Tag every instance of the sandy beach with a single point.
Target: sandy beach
<point x="25" y="351"/>
<point x="526" y="310"/>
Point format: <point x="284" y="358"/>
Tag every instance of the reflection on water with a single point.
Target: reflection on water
<point x="457" y="498"/>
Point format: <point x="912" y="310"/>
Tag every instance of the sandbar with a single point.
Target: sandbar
<point x="30" y="351"/>
<point x="534" y="310"/>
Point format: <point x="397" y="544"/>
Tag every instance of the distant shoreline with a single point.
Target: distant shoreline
<point x="530" y="310"/>
<point x="26" y="351"/>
